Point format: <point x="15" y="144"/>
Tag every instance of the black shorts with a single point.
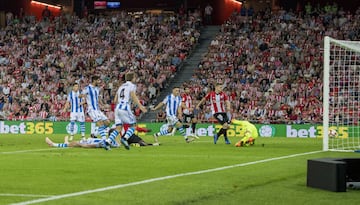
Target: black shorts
<point x="134" y="139"/>
<point x="188" y="118"/>
<point x="221" y="117"/>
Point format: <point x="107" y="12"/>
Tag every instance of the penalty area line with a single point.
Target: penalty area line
<point x="24" y="151"/>
<point x="25" y="195"/>
<point x="51" y="198"/>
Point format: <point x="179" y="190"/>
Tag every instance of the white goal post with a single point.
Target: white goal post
<point x="341" y="95"/>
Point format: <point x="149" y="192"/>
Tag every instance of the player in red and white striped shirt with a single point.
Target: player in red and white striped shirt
<point x="188" y="111"/>
<point x="220" y="107"/>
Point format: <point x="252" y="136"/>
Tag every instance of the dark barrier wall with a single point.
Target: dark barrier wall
<point x="14" y="5"/>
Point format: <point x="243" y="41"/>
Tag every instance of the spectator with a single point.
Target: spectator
<point x="161" y="117"/>
<point x="46" y="14"/>
<point x="208" y="14"/>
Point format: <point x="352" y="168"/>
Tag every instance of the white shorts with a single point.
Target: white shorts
<point x="172" y="120"/>
<point x="97" y="115"/>
<point x="124" y="117"/>
<point x="77" y="116"/>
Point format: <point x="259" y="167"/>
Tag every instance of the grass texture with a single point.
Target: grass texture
<point x="273" y="171"/>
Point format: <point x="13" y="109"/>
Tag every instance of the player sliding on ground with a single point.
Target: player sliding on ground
<point x="167" y="129"/>
<point x="249" y="135"/>
<point x="94" y="142"/>
<point x="84" y="143"/>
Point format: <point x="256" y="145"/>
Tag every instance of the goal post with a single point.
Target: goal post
<point x="341" y="95"/>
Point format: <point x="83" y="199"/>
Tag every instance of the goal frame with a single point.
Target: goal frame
<point x="326" y="88"/>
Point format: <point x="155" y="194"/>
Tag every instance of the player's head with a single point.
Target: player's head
<point x="130" y="76"/>
<point x="75" y="86"/>
<point x="176" y="91"/>
<point x="187" y="90"/>
<point x="95" y="80"/>
<point x="218" y="87"/>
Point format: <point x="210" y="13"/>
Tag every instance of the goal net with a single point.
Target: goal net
<point x="341" y="93"/>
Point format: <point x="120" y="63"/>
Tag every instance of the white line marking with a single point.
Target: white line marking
<point x="25" y="195"/>
<point x="160" y="179"/>
<point x="24" y="151"/>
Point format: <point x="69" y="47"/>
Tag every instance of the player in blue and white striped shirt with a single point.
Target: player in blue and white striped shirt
<point x="173" y="109"/>
<point x="92" y="94"/>
<point x="84" y="143"/>
<point x="125" y="98"/>
<point x="75" y="102"/>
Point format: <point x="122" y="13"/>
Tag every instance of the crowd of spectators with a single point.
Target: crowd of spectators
<point x="272" y="63"/>
<point x="40" y="59"/>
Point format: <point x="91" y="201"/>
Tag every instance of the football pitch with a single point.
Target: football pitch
<point x="173" y="173"/>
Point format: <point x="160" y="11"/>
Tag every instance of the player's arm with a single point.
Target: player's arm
<point x="83" y="102"/>
<point x="180" y="109"/>
<point x="66" y="106"/>
<point x="136" y="100"/>
<point x="200" y="103"/>
<point x="83" y="95"/>
<point x="183" y="105"/>
<point x="228" y="109"/>
<point x="116" y="100"/>
<point x="101" y="101"/>
<point x="228" y="106"/>
<point x="158" y="106"/>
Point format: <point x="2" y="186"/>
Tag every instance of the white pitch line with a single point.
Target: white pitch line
<point x="24" y="151"/>
<point x="25" y="195"/>
<point x="160" y="179"/>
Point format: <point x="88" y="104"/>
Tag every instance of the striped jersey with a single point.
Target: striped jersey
<point x="124" y="96"/>
<point x="217" y="101"/>
<point x="92" y="97"/>
<point x="172" y="104"/>
<point x="187" y="100"/>
<point x="75" y="101"/>
<point x="95" y="141"/>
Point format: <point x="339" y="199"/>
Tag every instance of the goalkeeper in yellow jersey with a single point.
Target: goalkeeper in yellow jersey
<point x="249" y="135"/>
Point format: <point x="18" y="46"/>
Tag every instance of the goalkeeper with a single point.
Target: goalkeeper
<point x="249" y="135"/>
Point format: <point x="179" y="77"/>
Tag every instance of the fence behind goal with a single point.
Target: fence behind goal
<point x="341" y="95"/>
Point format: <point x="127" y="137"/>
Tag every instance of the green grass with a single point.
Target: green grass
<point x="40" y="170"/>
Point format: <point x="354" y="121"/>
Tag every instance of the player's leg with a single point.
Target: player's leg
<point x="193" y="127"/>
<point x="115" y="132"/>
<point x="181" y="129"/>
<point x="104" y="124"/>
<point x="53" y="144"/>
<point x="126" y="116"/>
<point x="226" y="127"/>
<point x="164" y="130"/>
<point x="223" y="120"/>
<point x="81" y="119"/>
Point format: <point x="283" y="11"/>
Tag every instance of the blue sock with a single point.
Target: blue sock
<point x="129" y="133"/>
<point x="182" y="131"/>
<point x="62" y="145"/>
<point x="113" y="135"/>
<point x="163" y="132"/>
<point x="102" y="131"/>
<point x="72" y="124"/>
<point x="82" y="129"/>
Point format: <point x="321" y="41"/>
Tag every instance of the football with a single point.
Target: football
<point x="332" y="133"/>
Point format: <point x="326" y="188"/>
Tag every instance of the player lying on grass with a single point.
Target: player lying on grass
<point x="167" y="129"/>
<point x="249" y="135"/>
<point x="135" y="140"/>
<point x="94" y="142"/>
<point x="84" y="143"/>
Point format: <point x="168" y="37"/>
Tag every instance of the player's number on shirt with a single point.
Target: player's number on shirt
<point x="122" y="93"/>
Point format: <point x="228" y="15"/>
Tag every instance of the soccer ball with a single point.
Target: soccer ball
<point x="332" y="133"/>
